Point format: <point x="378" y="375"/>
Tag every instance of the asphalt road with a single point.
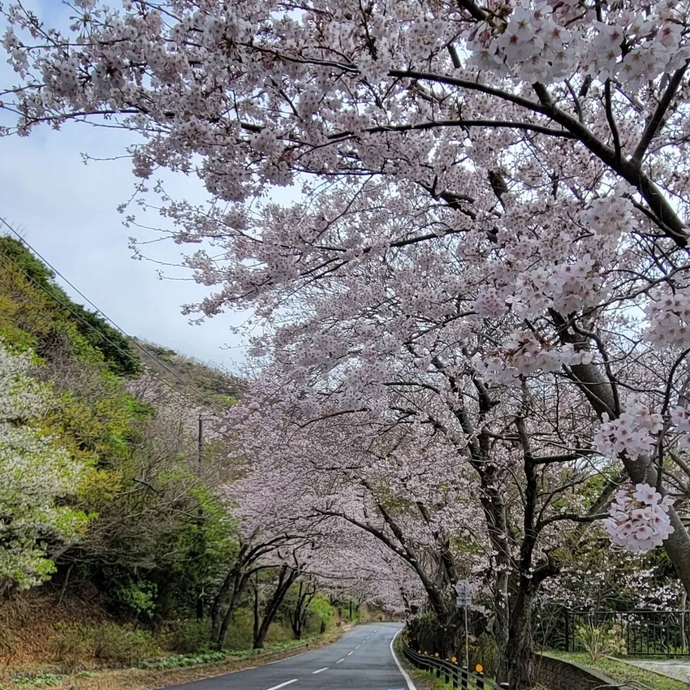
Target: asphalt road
<point x="360" y="660"/>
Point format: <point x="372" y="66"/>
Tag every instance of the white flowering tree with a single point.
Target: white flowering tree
<point x="37" y="479"/>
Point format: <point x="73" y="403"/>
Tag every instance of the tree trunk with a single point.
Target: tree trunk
<point x="229" y="582"/>
<point x="238" y="589"/>
<point x="285" y="579"/>
<point x="256" y="607"/>
<point x="518" y="660"/>
<point x="599" y="390"/>
<point x="298" y="619"/>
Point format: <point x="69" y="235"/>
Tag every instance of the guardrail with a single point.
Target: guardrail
<point x="458" y="676"/>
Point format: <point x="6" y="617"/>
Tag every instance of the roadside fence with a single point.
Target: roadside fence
<point x="452" y="673"/>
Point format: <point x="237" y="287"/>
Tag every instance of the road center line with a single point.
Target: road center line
<point x="339" y="660"/>
<point x="282" y="685"/>
<point x="358" y="646"/>
<point x="325" y="668"/>
<point x="349" y="653"/>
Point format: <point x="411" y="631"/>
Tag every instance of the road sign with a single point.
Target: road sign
<point x="461" y="586"/>
<point x="464" y="594"/>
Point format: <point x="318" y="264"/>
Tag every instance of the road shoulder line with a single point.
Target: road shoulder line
<point x="282" y="685"/>
<point x="408" y="680"/>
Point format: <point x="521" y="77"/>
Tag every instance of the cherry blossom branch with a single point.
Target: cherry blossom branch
<point x="612" y="120"/>
<point x="657" y="118"/>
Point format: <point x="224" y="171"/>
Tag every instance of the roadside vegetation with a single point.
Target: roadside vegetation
<point x="119" y="547"/>
<point x="624" y="673"/>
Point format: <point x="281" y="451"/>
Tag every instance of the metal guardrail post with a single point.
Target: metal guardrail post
<point x="451" y="672"/>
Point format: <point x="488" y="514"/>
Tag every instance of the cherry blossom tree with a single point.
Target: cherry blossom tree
<point x="453" y="491"/>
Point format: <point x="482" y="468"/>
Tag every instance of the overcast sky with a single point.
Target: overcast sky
<point x="68" y="212"/>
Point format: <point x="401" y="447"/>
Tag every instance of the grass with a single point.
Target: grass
<point x="622" y="673"/>
<point x="178" y="671"/>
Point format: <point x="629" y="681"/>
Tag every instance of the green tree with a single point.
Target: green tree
<point x="38" y="480"/>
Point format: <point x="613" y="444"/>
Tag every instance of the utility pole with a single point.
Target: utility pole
<point x="200" y="521"/>
<point x="201" y="438"/>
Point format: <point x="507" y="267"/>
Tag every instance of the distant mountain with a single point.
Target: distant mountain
<point x="210" y="382"/>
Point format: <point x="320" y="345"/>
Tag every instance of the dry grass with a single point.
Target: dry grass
<point x="27" y="626"/>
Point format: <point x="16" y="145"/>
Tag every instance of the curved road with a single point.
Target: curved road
<point x="362" y="659"/>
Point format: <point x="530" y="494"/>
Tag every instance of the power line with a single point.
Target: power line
<point x="68" y="307"/>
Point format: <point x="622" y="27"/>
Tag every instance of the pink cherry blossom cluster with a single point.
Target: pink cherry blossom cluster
<point x="639" y="519"/>
<point x="668" y="315"/>
<point x="531" y="43"/>
<point x="632" y="433"/>
<point x="524" y="354"/>
<point x="681" y="425"/>
<point x="545" y="42"/>
<point x="565" y="287"/>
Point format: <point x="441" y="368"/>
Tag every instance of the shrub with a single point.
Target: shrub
<point x="108" y="642"/>
<point x="72" y="644"/>
<point x="184" y="660"/>
<point x="601" y="640"/>
<point x="279" y="632"/>
<point x="39" y="680"/>
<point x="321" y="615"/>
<point x="139" y="598"/>
<point x="485" y="651"/>
<point x="123" y="644"/>
<point x="240" y="630"/>
<point x="187" y="636"/>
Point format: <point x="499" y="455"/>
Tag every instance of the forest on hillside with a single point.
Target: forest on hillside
<point x="117" y="540"/>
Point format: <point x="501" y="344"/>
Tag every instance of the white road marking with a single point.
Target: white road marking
<point x="325" y="668"/>
<point x="339" y="660"/>
<point x="349" y="653"/>
<point x="408" y="680"/>
<point x="358" y="646"/>
<point x="282" y="685"/>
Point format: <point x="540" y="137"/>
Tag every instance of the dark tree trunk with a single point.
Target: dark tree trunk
<point x="519" y="655"/>
<point x="453" y="643"/>
<point x="228" y="584"/>
<point x="298" y="619"/>
<point x="285" y="579"/>
<point x="256" y="607"/>
<point x="238" y="589"/>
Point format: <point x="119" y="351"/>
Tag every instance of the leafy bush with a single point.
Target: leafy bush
<point x="72" y="644"/>
<point x="486" y="652"/>
<point x="107" y="642"/>
<point x="240" y="631"/>
<point x="601" y="640"/>
<point x="187" y="636"/>
<point x="139" y="597"/>
<point x="123" y="644"/>
<point x="321" y="615"/>
<point x="279" y="632"/>
<point x="183" y="660"/>
<point x="39" y="680"/>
